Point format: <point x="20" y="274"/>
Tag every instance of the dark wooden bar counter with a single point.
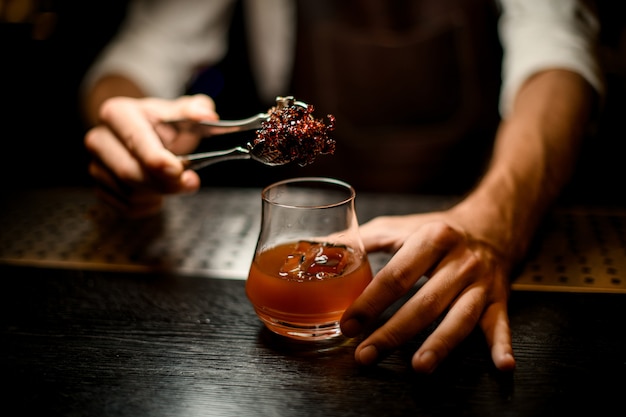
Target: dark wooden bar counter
<point x="83" y="339"/>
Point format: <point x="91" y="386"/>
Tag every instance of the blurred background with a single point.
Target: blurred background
<point x="46" y="47"/>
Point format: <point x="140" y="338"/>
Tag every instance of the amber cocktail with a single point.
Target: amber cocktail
<point x="309" y="264"/>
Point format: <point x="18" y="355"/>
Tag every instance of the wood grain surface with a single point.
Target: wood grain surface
<point x="97" y="343"/>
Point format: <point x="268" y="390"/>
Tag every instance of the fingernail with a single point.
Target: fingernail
<point x="351" y="328"/>
<point x="367" y="355"/>
<point x="426" y="362"/>
<point x="506" y="362"/>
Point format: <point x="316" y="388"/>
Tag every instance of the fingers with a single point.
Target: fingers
<point x="196" y="107"/>
<point x="378" y="234"/>
<point x="111" y="153"/>
<point x="457" y="324"/>
<point x="131" y="126"/>
<point x="425" y="307"/>
<point x="131" y="201"/>
<point x="388" y="233"/>
<point x="124" y="183"/>
<point x="137" y="125"/>
<point x="497" y="330"/>
<point x="132" y="162"/>
<point x="414" y="259"/>
<point x="467" y="284"/>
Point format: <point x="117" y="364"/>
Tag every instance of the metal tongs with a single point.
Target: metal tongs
<point x="220" y="127"/>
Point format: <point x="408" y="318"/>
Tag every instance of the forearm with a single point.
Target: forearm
<point x="107" y="87"/>
<point x="534" y="155"/>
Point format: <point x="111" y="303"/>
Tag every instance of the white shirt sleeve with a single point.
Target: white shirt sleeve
<point x="541" y="34"/>
<point x="162" y="43"/>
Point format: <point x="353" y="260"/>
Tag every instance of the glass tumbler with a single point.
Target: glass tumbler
<point x="309" y="264"/>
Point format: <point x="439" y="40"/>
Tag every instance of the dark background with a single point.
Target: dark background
<point x="44" y="54"/>
<point x="45" y="49"/>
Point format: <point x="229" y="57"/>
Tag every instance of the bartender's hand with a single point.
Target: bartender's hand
<point x="468" y="283"/>
<point x="134" y="162"/>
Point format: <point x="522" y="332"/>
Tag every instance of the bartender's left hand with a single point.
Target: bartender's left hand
<point x="468" y="283"/>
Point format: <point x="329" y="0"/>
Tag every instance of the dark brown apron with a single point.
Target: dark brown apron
<point x="413" y="85"/>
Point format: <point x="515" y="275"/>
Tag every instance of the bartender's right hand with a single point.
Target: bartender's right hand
<point x="134" y="155"/>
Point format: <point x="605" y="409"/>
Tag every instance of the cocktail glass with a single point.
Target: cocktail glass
<point x="309" y="264"/>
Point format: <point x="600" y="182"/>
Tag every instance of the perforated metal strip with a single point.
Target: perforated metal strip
<point x="214" y="232"/>
<point x="578" y="250"/>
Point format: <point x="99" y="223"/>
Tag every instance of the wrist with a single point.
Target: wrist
<point x="496" y="216"/>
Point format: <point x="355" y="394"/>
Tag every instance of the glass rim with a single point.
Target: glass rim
<point x="310" y="180"/>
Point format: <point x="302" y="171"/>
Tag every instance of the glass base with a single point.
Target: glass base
<point x="299" y="331"/>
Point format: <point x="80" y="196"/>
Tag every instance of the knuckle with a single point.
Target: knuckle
<point x="109" y="107"/>
<point x="431" y="303"/>
<point x="394" y="336"/>
<point x="472" y="312"/>
<point x="471" y="265"/>
<point x="397" y="281"/>
<point x="442" y="235"/>
<point x="201" y="99"/>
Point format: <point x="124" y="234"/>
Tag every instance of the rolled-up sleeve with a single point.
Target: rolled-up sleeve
<point x="162" y="43"/>
<point x="545" y="34"/>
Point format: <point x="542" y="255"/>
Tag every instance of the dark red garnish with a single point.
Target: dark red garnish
<point x="292" y="134"/>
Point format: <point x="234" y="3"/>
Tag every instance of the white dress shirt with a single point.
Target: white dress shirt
<point x="162" y="43"/>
